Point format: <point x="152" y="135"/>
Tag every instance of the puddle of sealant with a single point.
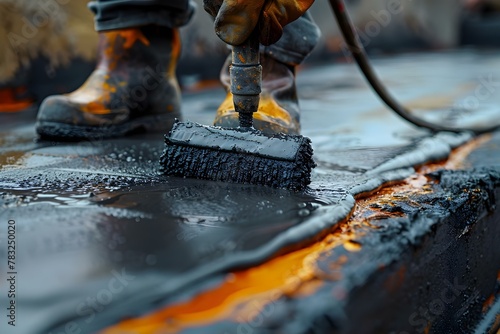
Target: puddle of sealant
<point x="191" y="229"/>
<point x="164" y="236"/>
<point x="187" y="229"/>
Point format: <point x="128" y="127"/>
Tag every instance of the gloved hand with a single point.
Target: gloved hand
<point x="235" y="20"/>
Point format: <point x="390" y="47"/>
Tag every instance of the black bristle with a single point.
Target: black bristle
<point x="236" y="167"/>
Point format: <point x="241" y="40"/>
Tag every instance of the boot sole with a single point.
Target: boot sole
<point x="55" y="130"/>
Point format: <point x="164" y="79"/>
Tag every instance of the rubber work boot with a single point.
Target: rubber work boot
<point x="278" y="108"/>
<point x="133" y="89"/>
<point x="14" y="99"/>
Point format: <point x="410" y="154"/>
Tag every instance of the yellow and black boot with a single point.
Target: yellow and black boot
<point x="278" y="108"/>
<point x="133" y="89"/>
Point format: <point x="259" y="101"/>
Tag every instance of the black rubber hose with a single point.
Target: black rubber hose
<point x="359" y="54"/>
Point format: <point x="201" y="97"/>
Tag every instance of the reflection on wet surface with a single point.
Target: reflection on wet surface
<point x="89" y="212"/>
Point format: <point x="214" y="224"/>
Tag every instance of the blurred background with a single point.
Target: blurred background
<point x="50" y="49"/>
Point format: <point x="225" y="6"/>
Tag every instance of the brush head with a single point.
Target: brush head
<point x="238" y="155"/>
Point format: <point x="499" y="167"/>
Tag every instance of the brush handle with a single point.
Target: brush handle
<point x="246" y="79"/>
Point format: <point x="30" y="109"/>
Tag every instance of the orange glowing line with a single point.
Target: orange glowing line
<point x="219" y="303"/>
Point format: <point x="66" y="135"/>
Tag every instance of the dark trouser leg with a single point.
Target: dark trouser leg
<point x="298" y="40"/>
<point x="119" y="14"/>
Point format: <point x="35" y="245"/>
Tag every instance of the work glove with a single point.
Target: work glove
<point x="235" y="20"/>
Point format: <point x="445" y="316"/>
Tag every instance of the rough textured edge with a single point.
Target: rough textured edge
<point x="463" y="213"/>
<point x="326" y="312"/>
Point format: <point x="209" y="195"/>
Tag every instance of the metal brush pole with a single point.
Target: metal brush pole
<point x="246" y="79"/>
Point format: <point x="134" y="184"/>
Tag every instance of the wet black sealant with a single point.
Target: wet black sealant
<point x="108" y="202"/>
<point x="91" y="209"/>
